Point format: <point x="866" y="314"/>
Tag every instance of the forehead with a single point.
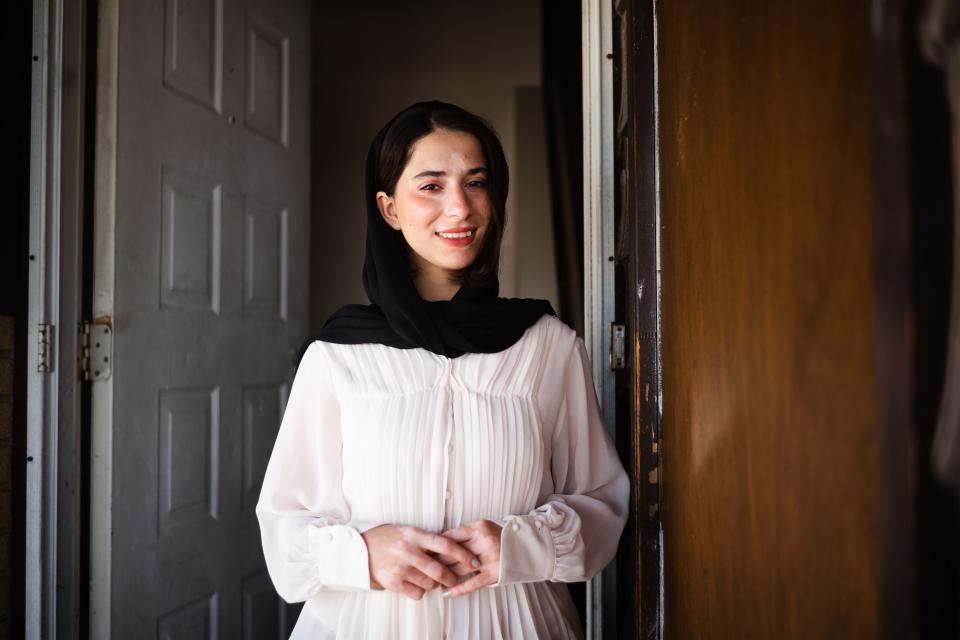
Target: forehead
<point x="444" y="150"/>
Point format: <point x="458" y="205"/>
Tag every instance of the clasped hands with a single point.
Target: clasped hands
<point x="411" y="561"/>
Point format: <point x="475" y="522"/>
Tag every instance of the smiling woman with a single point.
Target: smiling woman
<point x="445" y="173"/>
<point x="442" y="468"/>
<point x="443" y="212"/>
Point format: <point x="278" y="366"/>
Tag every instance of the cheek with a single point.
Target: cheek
<point x="416" y="215"/>
<point x="483" y="206"/>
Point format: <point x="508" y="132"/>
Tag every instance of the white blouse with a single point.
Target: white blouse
<point x="374" y="434"/>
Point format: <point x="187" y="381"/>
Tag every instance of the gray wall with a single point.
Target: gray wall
<point x="374" y="58"/>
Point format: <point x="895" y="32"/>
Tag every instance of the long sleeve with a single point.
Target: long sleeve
<point x="305" y="522"/>
<point x="574" y="534"/>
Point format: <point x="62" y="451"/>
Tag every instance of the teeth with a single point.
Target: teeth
<point x="460" y="234"/>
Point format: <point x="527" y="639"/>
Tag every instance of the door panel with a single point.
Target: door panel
<point x="769" y="473"/>
<point x="209" y="304"/>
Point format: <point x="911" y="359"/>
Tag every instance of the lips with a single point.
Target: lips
<point x="458" y="237"/>
<point x="457" y="230"/>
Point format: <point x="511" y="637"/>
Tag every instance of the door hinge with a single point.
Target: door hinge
<point x="618" y="356"/>
<point x="44" y="339"/>
<point x="96" y="351"/>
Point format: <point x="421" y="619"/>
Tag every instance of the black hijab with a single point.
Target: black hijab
<point x="475" y="320"/>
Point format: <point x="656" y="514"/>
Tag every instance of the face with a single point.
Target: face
<point x="440" y="203"/>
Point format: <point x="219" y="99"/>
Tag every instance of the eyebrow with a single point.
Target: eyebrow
<point x="437" y="174"/>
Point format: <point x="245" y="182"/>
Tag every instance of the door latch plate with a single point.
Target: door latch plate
<point x="618" y="356"/>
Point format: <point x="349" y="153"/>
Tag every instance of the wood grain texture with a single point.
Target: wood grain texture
<point x="769" y="496"/>
<point x="635" y="136"/>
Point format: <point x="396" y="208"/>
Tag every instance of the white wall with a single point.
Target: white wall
<point x="372" y="59"/>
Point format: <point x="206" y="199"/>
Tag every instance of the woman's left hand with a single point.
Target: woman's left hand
<point x="481" y="538"/>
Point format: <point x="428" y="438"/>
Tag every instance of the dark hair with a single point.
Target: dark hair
<point x="423" y="118"/>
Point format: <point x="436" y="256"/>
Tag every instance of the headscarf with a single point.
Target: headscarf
<point x="475" y="320"/>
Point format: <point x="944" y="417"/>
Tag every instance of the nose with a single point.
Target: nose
<point x="457" y="203"/>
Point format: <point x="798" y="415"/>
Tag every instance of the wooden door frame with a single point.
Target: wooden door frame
<point x="637" y="260"/>
<point x="622" y="284"/>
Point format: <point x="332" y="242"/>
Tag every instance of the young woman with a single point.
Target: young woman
<point x="441" y="469"/>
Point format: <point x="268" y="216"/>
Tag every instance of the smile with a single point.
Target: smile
<point x="457" y="238"/>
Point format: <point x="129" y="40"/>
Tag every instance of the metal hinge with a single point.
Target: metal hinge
<point x="96" y="351"/>
<point x="618" y="355"/>
<point x="44" y="333"/>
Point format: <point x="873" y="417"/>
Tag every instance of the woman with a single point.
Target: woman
<point x="441" y="468"/>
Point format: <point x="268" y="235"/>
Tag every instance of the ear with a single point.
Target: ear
<point x="388" y="210"/>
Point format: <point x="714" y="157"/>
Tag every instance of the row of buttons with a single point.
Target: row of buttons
<point x="447" y="494"/>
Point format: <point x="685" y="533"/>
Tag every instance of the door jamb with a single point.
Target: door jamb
<point x="638" y="204"/>
<point x="101" y="391"/>
<point x="53" y="514"/>
<point x="42" y="311"/>
<point x="598" y="227"/>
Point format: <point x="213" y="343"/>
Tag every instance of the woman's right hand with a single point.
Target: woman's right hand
<point x="399" y="559"/>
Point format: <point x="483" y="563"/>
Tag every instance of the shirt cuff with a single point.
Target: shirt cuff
<point x="527" y="550"/>
<point x="363" y="526"/>
<point x="341" y="557"/>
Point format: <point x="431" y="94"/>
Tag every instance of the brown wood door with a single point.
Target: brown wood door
<point x="769" y="477"/>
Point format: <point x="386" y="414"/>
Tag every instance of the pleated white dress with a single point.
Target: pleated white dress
<point x="374" y="434"/>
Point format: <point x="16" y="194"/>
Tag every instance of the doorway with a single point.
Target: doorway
<point x="192" y="182"/>
<point x="518" y="64"/>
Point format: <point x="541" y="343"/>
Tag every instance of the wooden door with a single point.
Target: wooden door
<point x="769" y="477"/>
<point x="210" y="273"/>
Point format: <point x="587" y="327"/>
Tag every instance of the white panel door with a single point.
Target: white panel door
<point x="209" y="306"/>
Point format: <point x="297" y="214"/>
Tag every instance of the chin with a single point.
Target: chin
<point x="455" y="263"/>
<point x="456" y="266"/>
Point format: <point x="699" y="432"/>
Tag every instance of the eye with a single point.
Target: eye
<point x="427" y="187"/>
<point x="478" y="183"/>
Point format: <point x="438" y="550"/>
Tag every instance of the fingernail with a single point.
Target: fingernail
<point x="474" y="563"/>
<point x="445" y="594"/>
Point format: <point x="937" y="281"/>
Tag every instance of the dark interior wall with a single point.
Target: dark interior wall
<point x="913" y="204"/>
<point x="928" y="161"/>
<point x="372" y="59"/>
<point x="16" y="42"/>
<point x="563" y="107"/>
